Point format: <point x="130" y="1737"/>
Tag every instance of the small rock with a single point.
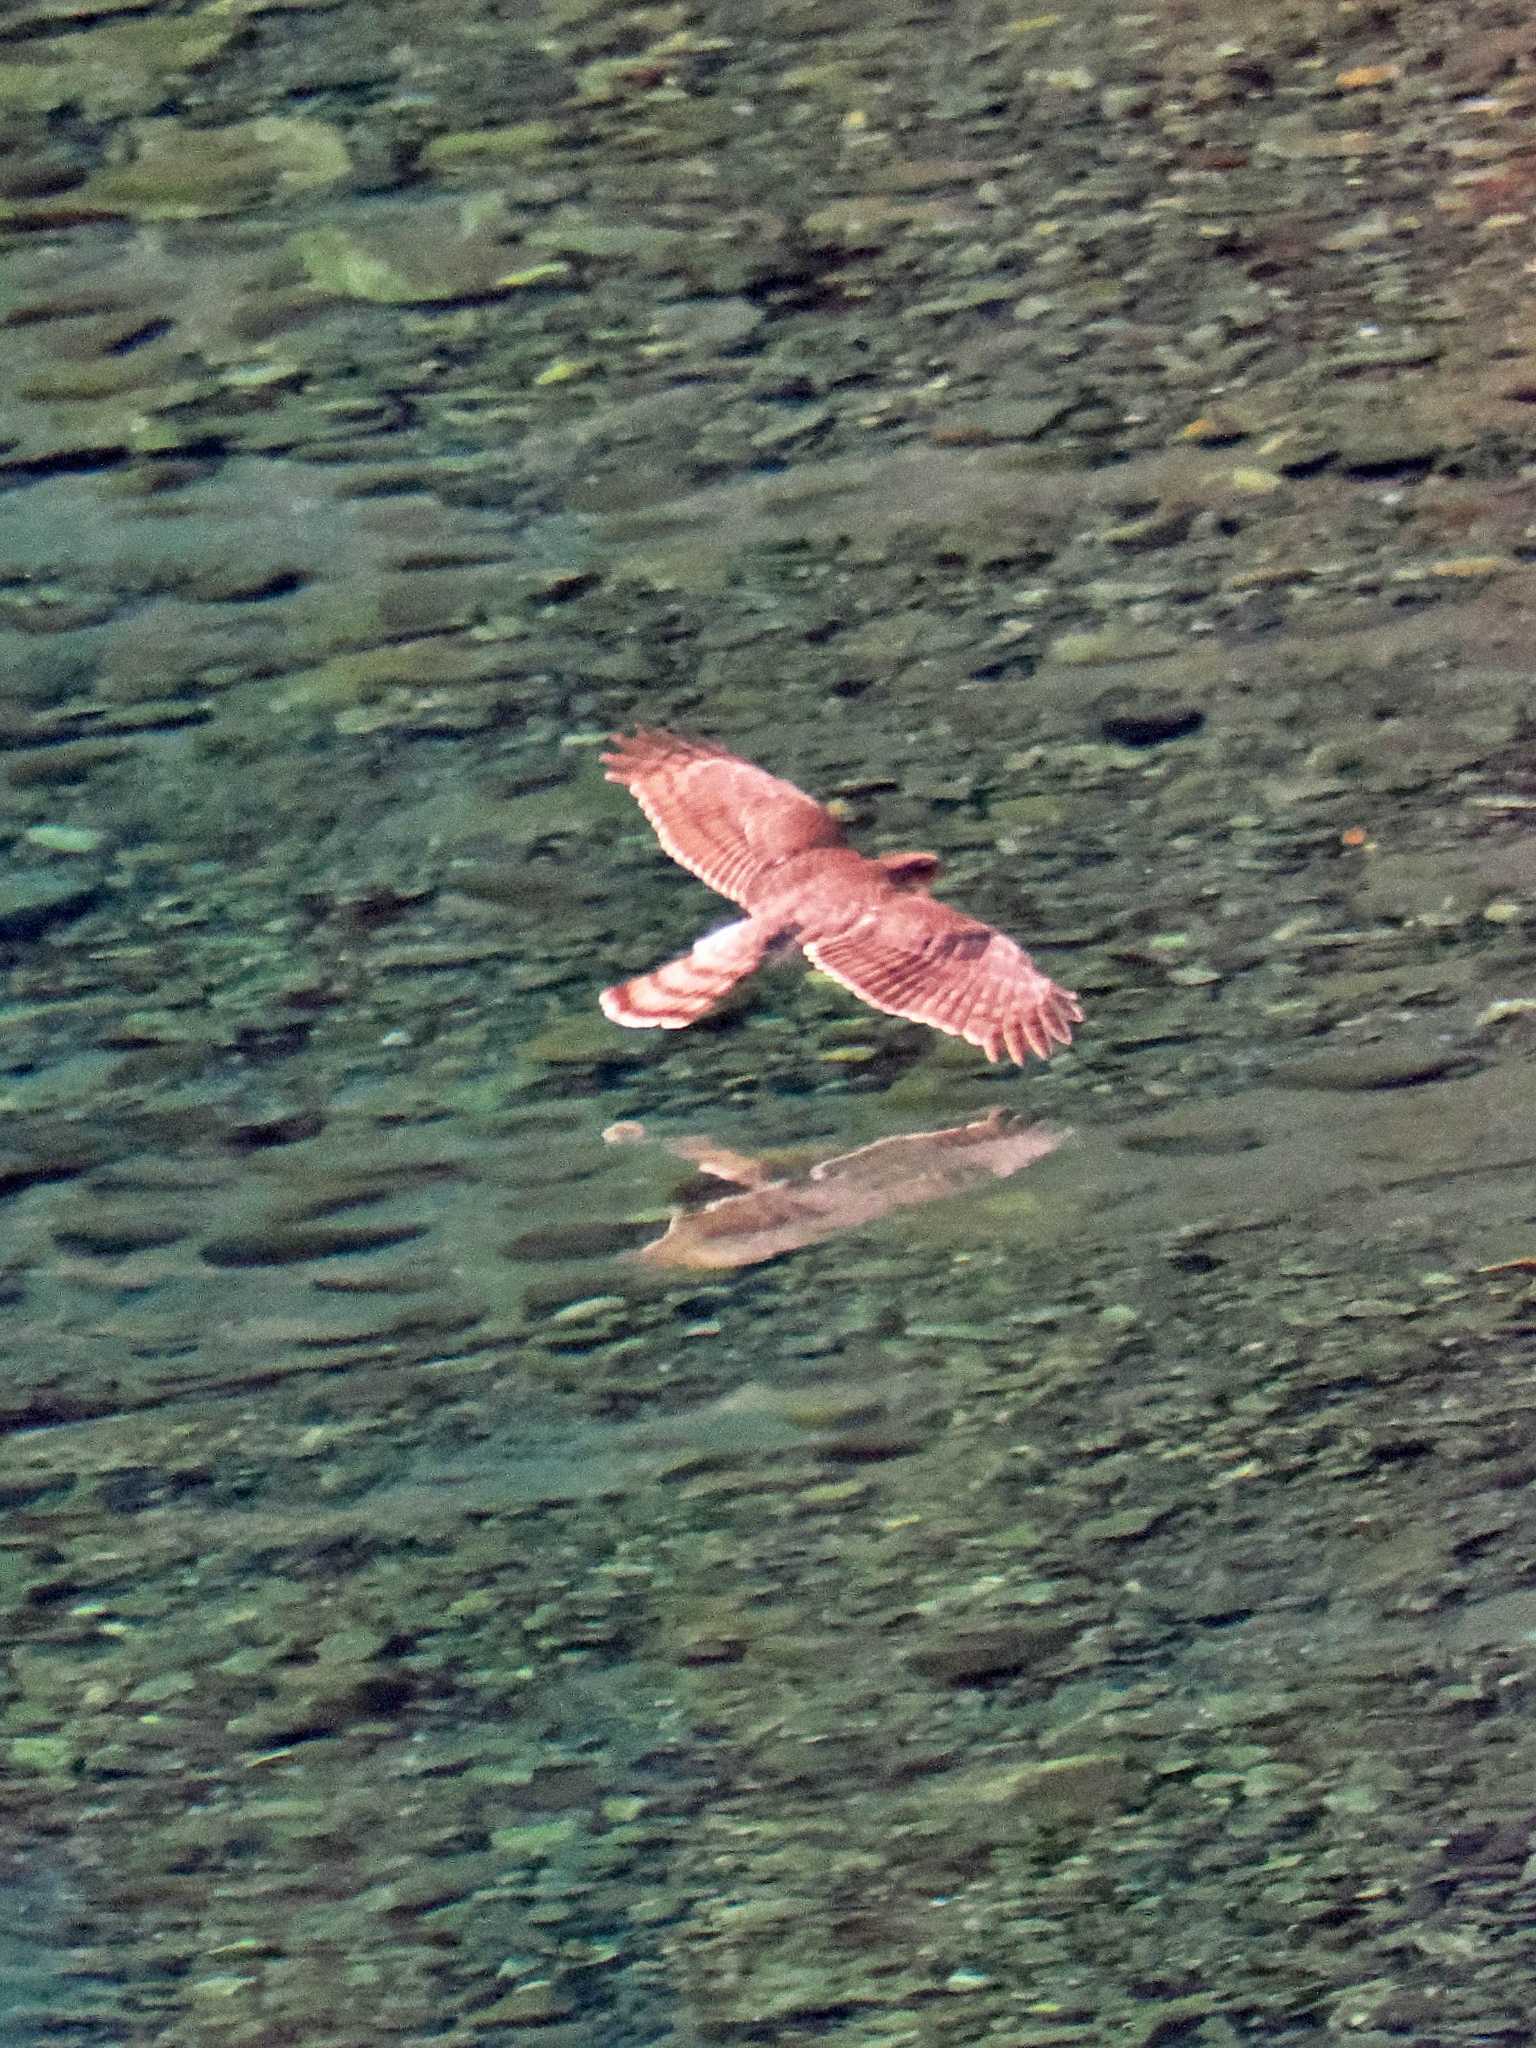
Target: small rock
<point x="64" y="838"/>
<point x="1066" y="1787"/>
<point x="185" y="174"/>
<point x="534" y="2004"/>
<point x="34" y="899"/>
<point x="427" y="257"/>
<point x="972" y="1654"/>
<point x="286" y="1244"/>
<point x="1375" y="1067"/>
<point x="1113" y="643"/>
<point x="1150" y="722"/>
<point x="475" y="149"/>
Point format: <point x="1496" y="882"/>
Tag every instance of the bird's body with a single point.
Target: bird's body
<point x="870" y="924"/>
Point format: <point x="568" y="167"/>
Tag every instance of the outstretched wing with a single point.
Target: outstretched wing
<point x="919" y="959"/>
<point x="680" y="991"/>
<point x="722" y="819"/>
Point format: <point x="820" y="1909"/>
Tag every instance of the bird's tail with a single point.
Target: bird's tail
<point x="680" y="992"/>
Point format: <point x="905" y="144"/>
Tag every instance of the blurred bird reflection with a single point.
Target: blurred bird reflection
<point x="776" y="1212"/>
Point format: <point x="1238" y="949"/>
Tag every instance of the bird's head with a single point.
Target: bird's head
<point x="911" y="870"/>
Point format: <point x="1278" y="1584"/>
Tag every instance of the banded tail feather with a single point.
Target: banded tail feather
<point x="681" y="991"/>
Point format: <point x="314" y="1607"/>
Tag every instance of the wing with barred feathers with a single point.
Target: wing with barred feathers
<point x="917" y="958"/>
<point x="724" y="820"/>
<point x="683" y="990"/>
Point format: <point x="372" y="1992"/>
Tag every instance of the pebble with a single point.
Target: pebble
<point x="65" y="838"/>
<point x="33" y="900"/>
<point x="1387" y="1066"/>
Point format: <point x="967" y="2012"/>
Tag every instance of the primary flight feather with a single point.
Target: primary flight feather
<point x="870" y="924"/>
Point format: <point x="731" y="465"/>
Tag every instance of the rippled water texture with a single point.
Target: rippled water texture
<point x="1086" y="1605"/>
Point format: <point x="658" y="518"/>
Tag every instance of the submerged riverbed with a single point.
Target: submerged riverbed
<point x="1098" y="1608"/>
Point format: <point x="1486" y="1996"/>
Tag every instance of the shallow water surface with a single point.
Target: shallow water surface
<point x="1092" y="1607"/>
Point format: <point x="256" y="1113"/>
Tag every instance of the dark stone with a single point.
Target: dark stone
<point x="1150" y="722"/>
<point x="33" y="899"/>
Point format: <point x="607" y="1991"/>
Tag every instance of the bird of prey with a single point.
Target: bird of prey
<point x="869" y="924"/>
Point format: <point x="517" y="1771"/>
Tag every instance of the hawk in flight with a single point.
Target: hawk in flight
<point x="870" y="924"/>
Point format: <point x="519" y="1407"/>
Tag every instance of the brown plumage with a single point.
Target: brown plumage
<point x="870" y="924"/>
